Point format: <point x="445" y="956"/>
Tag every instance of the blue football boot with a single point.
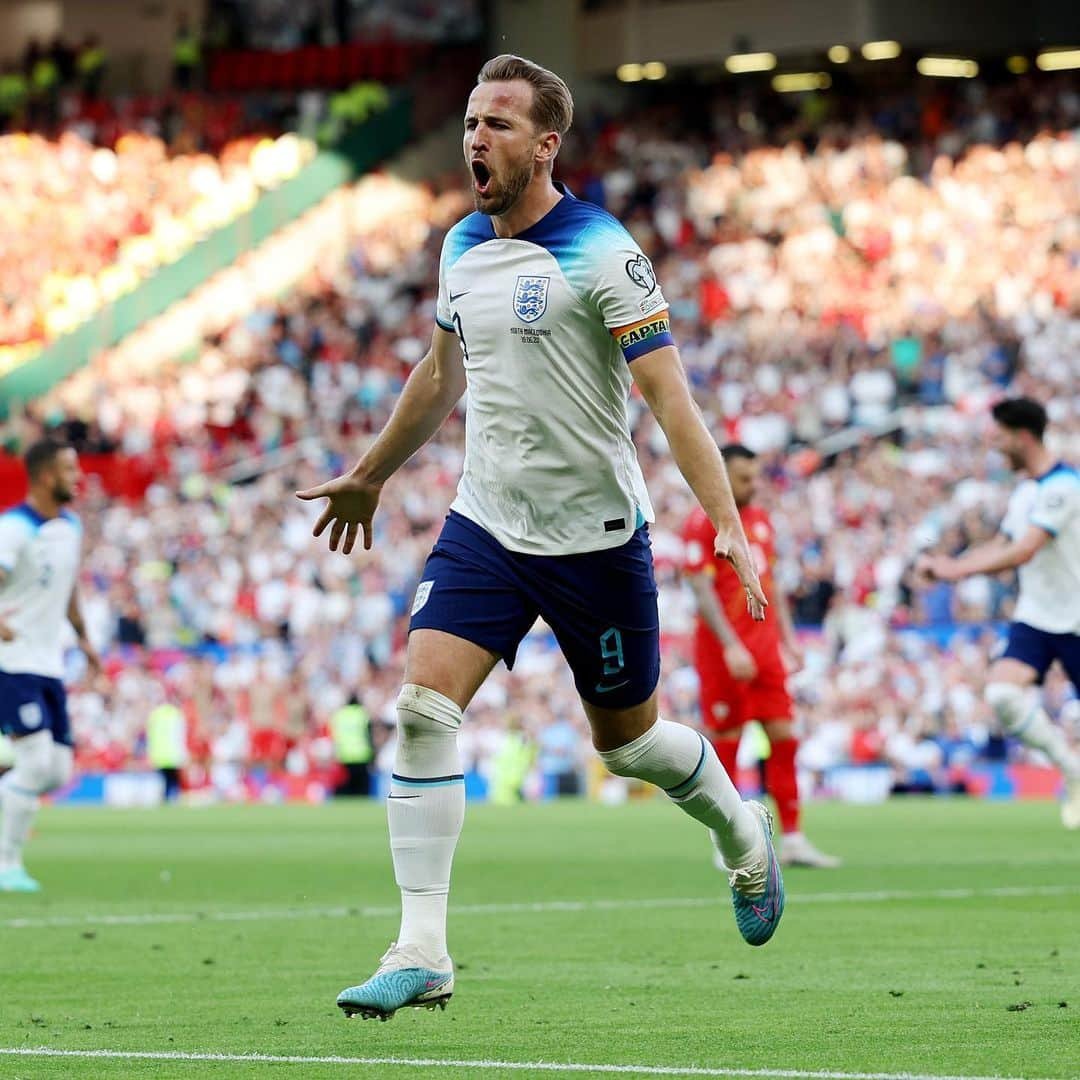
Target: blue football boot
<point x="16" y="879"/>
<point x="405" y="980"/>
<point x="757" y="890"/>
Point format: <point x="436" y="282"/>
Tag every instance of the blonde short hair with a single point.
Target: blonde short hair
<point x="553" y="105"/>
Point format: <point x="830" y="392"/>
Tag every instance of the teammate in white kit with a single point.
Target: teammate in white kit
<point x="548" y="312"/>
<point x="1040" y="537"/>
<point x="40" y="542"/>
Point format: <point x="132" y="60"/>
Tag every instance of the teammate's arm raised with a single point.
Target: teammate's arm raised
<point x="660" y="377"/>
<point x="432" y="390"/>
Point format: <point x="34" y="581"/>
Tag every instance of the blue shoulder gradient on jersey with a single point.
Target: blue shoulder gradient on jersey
<point x="1061" y="475"/>
<point x="586" y="234"/>
<point x="578" y="235"/>
<point x="468" y="233"/>
<point x="26" y="513"/>
<point x="25" y="517"/>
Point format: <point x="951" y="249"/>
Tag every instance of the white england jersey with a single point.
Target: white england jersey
<point x="549" y="321"/>
<point x="1050" y="582"/>
<point x="41" y="559"/>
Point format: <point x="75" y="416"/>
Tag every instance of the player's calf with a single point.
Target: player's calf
<point x="683" y="763"/>
<point x="41" y="766"/>
<point x="1029" y="722"/>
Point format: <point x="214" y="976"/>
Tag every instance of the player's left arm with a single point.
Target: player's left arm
<point x="628" y="298"/>
<point x="989" y="558"/>
<point x="660" y="377"/>
<point x="75" y="617"/>
<point x="1056" y="504"/>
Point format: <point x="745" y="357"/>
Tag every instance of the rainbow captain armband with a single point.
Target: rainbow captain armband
<point x="642" y="337"/>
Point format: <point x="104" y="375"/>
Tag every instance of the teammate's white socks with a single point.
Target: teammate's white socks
<point x="682" y="762"/>
<point x="40" y="766"/>
<point x="425" y="810"/>
<point x="1030" y="723"/>
<point x="17" y="810"/>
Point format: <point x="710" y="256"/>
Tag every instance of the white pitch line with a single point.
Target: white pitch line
<point x="524" y="908"/>
<point x="437" y="1063"/>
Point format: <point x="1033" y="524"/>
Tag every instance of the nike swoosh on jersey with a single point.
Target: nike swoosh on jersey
<point x="403" y="796"/>
<point x="458" y="296"/>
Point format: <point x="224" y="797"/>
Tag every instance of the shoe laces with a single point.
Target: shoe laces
<point x="750" y="881"/>
<point x="402" y="956"/>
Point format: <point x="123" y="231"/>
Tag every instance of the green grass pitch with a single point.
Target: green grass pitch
<point x="231" y="930"/>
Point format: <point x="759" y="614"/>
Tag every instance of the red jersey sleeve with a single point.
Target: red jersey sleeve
<point x="762" y="539"/>
<point x="698" y="540"/>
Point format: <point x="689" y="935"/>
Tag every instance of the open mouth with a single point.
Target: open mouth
<point x="481" y="177"/>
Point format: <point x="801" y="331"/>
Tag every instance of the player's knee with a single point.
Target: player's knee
<point x="33" y="769"/>
<point x="659" y="756"/>
<point x="1009" y="703"/>
<point x="424" y="713"/>
<point x="620" y="762"/>
<point x="63" y="767"/>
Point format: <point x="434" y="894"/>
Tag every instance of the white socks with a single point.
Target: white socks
<point x="425" y="810"/>
<point x="40" y="766"/>
<point x="679" y="760"/>
<point x="1031" y="725"/>
<point x="17" y="810"/>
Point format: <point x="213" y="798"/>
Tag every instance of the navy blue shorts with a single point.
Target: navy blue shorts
<point x="33" y="703"/>
<point x="601" y="606"/>
<point x="1039" y="649"/>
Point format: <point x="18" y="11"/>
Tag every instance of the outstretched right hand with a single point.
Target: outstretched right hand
<point x="6" y="632"/>
<point x="351" y="506"/>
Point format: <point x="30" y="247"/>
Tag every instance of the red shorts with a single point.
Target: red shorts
<point x="727" y="704"/>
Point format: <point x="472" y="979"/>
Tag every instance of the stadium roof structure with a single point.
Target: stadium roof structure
<point x="692" y="32"/>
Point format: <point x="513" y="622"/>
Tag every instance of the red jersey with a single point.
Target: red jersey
<point x="700" y="536"/>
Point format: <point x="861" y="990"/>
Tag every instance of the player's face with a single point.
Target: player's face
<point x="1010" y="444"/>
<point x="66" y="474"/>
<point x="500" y="144"/>
<point x="743" y="474"/>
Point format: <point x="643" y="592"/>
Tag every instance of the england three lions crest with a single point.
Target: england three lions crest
<point x="530" y="297"/>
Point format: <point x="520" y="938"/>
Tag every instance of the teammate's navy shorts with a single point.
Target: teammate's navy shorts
<point x="1039" y="649"/>
<point x="601" y="606"/>
<point x="33" y="703"/>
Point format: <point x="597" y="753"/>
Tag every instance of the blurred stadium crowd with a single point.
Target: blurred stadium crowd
<point x="848" y="292"/>
<point x="82" y="224"/>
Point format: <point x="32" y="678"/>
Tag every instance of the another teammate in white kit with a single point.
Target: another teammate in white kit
<point x="40" y="543"/>
<point x="1040" y="537"/>
<point x="548" y="312"/>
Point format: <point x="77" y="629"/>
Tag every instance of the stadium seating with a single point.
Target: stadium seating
<point x="83" y="224"/>
<point x="822" y="299"/>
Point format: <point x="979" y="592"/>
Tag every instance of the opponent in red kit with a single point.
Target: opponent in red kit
<point x="743" y="665"/>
